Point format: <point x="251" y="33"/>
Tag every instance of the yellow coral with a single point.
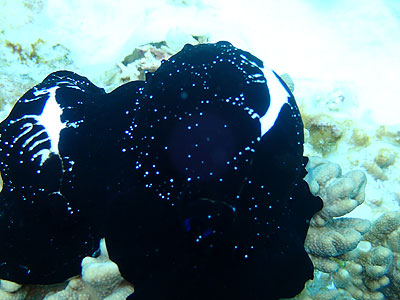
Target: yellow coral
<point x="325" y="133"/>
<point x="360" y="138"/>
<point x="376" y="171"/>
<point x="385" y="158"/>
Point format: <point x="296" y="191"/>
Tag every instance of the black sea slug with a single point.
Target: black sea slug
<point x="194" y="177"/>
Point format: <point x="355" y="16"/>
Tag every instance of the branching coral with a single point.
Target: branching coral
<point x="366" y="274"/>
<point x="328" y="236"/>
<point x="382" y="270"/>
<point x="363" y="270"/>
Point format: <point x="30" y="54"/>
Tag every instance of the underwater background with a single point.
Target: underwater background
<point x="342" y="60"/>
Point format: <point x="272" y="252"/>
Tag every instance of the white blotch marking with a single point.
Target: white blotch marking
<point x="50" y="119"/>
<point x="28" y="127"/>
<point x="278" y="97"/>
<point x="44" y="155"/>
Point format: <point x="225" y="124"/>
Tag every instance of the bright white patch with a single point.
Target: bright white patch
<point x="28" y="127"/>
<point x="278" y="97"/>
<point x="31" y="138"/>
<point x="44" y="155"/>
<point x="50" y="119"/>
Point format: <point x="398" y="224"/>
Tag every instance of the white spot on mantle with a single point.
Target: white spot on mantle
<point x="51" y="119"/>
<point x="278" y="97"/>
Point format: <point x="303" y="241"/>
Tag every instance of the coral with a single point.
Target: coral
<point x="148" y="57"/>
<point x="23" y="64"/>
<point x="360" y="138"/>
<point x="325" y="132"/>
<point x="40" y="52"/>
<point x="145" y="58"/>
<point x="335" y="238"/>
<point x="134" y="66"/>
<point x="384" y="237"/>
<point x="383" y="228"/>
<point x="329" y="236"/>
<point x="322" y="288"/>
<point x="390" y="134"/>
<point x="383" y="159"/>
<point x="340" y="193"/>
<point x="363" y="270"/>
<point x="100" y="280"/>
<point x="376" y="171"/>
<point x="12" y="291"/>
<point x="369" y="272"/>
